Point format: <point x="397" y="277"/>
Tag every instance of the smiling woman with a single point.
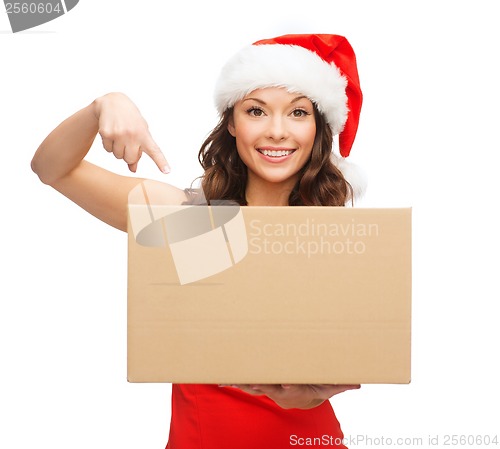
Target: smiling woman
<point x="280" y="101"/>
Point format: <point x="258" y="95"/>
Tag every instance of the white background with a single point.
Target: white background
<point x="428" y="138"/>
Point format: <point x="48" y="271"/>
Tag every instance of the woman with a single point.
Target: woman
<point x="281" y="101"/>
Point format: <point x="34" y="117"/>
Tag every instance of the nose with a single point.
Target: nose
<point x="277" y="128"/>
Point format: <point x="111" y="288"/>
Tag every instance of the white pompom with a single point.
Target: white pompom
<point x="353" y="174"/>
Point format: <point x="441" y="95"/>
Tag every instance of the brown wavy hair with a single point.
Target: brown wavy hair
<point x="320" y="182"/>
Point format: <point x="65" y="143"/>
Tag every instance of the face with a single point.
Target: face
<point x="274" y="131"/>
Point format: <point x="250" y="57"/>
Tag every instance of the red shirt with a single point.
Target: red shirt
<point x="213" y="417"/>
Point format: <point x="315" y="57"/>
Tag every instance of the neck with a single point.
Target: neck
<point x="263" y="193"/>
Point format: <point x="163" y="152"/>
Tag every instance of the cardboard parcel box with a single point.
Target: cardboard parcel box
<point x="229" y="294"/>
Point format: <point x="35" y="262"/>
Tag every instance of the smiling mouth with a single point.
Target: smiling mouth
<point x="275" y="153"/>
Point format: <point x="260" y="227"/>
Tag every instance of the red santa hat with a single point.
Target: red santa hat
<point x="320" y="66"/>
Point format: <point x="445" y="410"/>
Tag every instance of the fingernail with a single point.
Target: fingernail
<point x="166" y="169"/>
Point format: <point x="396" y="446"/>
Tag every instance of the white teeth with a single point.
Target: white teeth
<point x="276" y="153"/>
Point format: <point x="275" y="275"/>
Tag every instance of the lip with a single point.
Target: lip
<point x="275" y="159"/>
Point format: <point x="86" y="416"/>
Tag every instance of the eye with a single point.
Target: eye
<point x="255" y="111"/>
<point x="298" y="113"/>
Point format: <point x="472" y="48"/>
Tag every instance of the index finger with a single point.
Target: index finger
<point x="154" y="152"/>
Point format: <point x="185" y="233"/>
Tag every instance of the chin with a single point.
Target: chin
<point x="280" y="179"/>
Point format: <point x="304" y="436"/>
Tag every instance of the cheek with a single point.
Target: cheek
<point x="246" y="141"/>
<point x="241" y="147"/>
<point x="244" y="153"/>
<point x="245" y="133"/>
<point x="308" y="137"/>
<point x="312" y="134"/>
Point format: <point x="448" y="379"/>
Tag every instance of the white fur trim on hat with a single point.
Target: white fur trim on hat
<point x="290" y="66"/>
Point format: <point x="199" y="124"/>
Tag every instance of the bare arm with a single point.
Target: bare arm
<point x="59" y="161"/>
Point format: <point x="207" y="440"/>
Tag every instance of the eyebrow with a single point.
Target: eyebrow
<point x="258" y="100"/>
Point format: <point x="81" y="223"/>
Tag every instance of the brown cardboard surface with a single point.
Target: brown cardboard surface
<point x="308" y="295"/>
